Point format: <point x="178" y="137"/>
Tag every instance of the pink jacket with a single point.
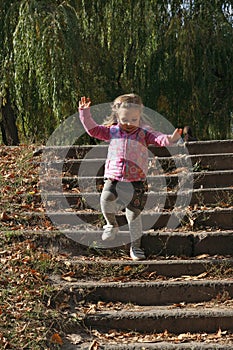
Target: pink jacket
<point x="127" y="158"/>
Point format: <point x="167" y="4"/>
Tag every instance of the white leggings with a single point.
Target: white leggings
<point x="117" y="195"/>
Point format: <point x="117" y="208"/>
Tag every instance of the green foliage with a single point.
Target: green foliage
<point x="45" y="50"/>
<point x="43" y="54"/>
<point x="176" y="54"/>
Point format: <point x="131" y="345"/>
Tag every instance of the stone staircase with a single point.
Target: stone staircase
<point x="186" y="283"/>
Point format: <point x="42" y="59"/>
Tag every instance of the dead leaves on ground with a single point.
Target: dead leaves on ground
<point x="19" y="186"/>
<point x="115" y="337"/>
<point x="25" y="315"/>
<point x="56" y="338"/>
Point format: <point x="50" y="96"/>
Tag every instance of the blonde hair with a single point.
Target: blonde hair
<point x="123" y="101"/>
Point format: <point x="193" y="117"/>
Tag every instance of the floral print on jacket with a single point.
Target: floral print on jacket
<point x="127" y="158"/>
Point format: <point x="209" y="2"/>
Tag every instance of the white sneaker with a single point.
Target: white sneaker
<point x="137" y="253"/>
<point x="109" y="232"/>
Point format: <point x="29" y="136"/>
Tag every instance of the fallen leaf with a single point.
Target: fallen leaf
<point x="180" y="305"/>
<point x="219" y="333"/>
<point x="152" y="274"/>
<point x="4" y="216"/>
<point x="101" y="304"/>
<point x="127" y="268"/>
<point x="204" y="274"/>
<point x="3" y="252"/>
<point x="202" y="256"/>
<point x="182" y="336"/>
<point x="74" y="338"/>
<point x="56" y="339"/>
<point x="69" y="279"/>
<point x="69" y="276"/>
<point x="94" y="345"/>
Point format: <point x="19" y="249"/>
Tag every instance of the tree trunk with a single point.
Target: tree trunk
<point x="8" y="123"/>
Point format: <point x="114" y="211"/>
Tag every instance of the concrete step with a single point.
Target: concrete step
<point x="100" y="151"/>
<point x="167" y="200"/>
<point x="200" y="147"/>
<point x="143" y="293"/>
<point x="162" y="306"/>
<point x="160" y="319"/>
<point x="212" y="161"/>
<point x="169" y="253"/>
<point x="216" y="218"/>
<point x="95" y="166"/>
<point x="203" y="179"/>
<point x="162" y="243"/>
<point x="158" y="345"/>
<point x="210" y="179"/>
<point x="163" y="248"/>
<point x="156" y="268"/>
<point x="186" y="303"/>
<point x="212" y="146"/>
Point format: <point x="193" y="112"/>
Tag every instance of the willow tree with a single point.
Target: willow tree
<point x="205" y="53"/>
<point x="172" y="52"/>
<point x="39" y="64"/>
<point x="7" y="112"/>
<point x="192" y="65"/>
<point x="175" y="53"/>
<point x="124" y="38"/>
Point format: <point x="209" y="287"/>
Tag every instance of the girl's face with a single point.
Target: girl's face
<point x="129" y="118"/>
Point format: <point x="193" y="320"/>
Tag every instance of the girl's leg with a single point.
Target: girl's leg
<point x="133" y="216"/>
<point x="109" y="207"/>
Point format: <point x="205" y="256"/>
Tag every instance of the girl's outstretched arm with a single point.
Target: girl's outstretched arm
<point x="100" y="132"/>
<point x="163" y="140"/>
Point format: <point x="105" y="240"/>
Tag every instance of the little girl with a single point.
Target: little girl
<point x="127" y="163"/>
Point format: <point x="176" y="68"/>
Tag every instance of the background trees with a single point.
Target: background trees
<point x="40" y="50"/>
<point x="176" y="54"/>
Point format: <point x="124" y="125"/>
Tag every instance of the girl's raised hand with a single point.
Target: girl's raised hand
<point x="175" y="136"/>
<point x="85" y="102"/>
